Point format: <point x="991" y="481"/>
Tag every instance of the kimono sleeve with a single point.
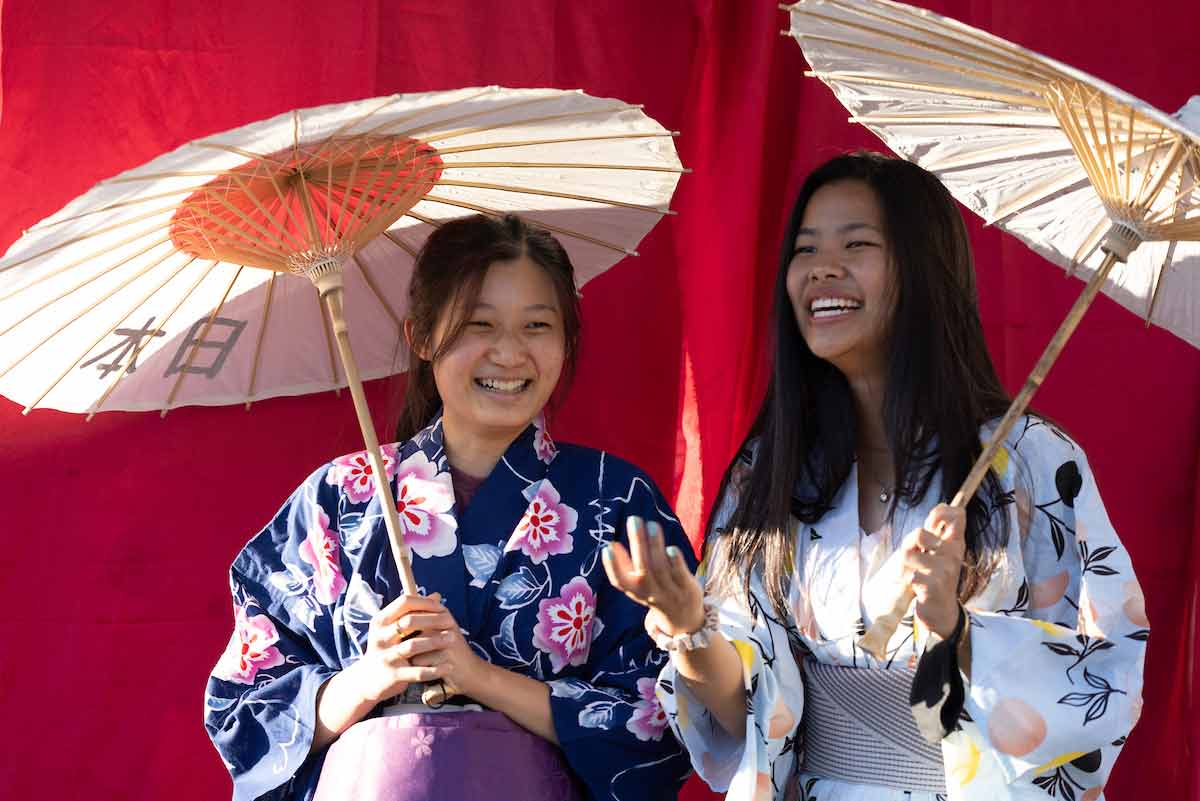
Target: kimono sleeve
<point x="609" y="723"/>
<point x="761" y="763"/>
<point x="1057" y="686"/>
<point x="260" y="702"/>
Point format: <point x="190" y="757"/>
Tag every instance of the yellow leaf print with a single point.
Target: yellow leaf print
<point x="962" y="762"/>
<point x="702" y="568"/>
<point x="1053" y="629"/>
<point x="1000" y="462"/>
<point x="1061" y="760"/>
<point x="746" y="652"/>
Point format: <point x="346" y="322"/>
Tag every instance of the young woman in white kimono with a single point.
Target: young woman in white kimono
<point x="1022" y="656"/>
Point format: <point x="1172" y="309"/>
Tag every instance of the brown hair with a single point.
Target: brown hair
<point x="940" y="388"/>
<point x="448" y="276"/>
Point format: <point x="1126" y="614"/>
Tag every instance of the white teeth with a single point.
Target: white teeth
<point x="830" y="307"/>
<point x="501" y="385"/>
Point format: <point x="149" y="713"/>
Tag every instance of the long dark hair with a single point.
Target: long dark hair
<point x="447" y="278"/>
<point x="940" y="388"/>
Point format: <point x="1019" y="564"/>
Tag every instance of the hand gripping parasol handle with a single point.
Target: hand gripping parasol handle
<point x="883" y="627"/>
<point x="330" y="287"/>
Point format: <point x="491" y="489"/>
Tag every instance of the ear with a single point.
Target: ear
<point x="423" y="351"/>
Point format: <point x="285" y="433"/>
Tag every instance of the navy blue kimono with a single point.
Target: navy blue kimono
<point x="520" y="571"/>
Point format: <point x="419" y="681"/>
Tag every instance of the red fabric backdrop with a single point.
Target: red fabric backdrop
<point x="117" y="533"/>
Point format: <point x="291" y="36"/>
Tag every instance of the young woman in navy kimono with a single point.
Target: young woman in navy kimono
<point x="506" y="529"/>
<point x="1022" y="655"/>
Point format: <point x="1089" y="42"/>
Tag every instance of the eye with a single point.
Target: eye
<point x="539" y="325"/>
<point x="479" y="325"/>
<point x="804" y="250"/>
<point x="862" y="243"/>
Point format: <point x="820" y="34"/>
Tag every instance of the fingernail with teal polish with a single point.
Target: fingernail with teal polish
<point x="606" y="553"/>
<point x="672" y="552"/>
<point x="654" y="529"/>
<point x="633" y="525"/>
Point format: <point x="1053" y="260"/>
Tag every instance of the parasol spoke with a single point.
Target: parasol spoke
<point x="86" y="260"/>
<point x="421" y="112"/>
<point x="1089" y="244"/>
<point x="478" y="113"/>
<point x="262" y="335"/>
<point x="560" y="165"/>
<point x="570" y="115"/>
<point x="549" y="193"/>
<point x="158" y="176"/>
<point x="555" y="229"/>
<point x="1052" y="185"/>
<point x="396" y="239"/>
<point x="108" y="229"/>
<point x="369" y="280"/>
<point x="249" y="155"/>
<point x="124" y="204"/>
<point x="555" y="141"/>
<point x="924" y="86"/>
<point x="85" y="282"/>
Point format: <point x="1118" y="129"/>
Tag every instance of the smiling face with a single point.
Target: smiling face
<point x="840" y="277"/>
<point x="501" y="371"/>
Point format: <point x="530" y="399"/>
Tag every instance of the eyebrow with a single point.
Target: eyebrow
<point x="841" y="229"/>
<point x="534" y="307"/>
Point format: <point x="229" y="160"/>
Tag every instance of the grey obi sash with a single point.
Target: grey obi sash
<point x="858" y="727"/>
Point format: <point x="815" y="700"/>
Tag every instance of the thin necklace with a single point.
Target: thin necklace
<point x="885" y="492"/>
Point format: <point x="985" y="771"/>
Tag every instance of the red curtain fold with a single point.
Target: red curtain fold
<point x="119" y="532"/>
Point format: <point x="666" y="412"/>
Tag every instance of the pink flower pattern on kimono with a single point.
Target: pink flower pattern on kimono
<point x="648" y="721"/>
<point x="322" y="550"/>
<point x="250" y="649"/>
<point x="546" y="527"/>
<point x="543" y="445"/>
<point x="566" y="623"/>
<point x="423" y="503"/>
<point x="354" y="474"/>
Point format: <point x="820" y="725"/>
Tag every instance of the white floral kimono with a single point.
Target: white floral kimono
<point x="1057" y="641"/>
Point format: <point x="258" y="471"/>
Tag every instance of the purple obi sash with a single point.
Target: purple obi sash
<point x="436" y="756"/>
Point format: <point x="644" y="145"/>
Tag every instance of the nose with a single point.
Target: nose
<point x="508" y="349"/>
<point x="828" y="267"/>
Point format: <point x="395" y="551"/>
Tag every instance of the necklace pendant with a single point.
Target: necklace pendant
<point x="884" y="496"/>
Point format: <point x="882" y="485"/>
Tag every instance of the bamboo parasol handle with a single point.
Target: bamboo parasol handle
<point x="330" y="287"/>
<point x="331" y="292"/>
<point x="883" y="627"/>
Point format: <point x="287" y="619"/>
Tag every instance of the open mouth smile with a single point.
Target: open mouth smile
<point x="504" y="386"/>
<point x="827" y="308"/>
